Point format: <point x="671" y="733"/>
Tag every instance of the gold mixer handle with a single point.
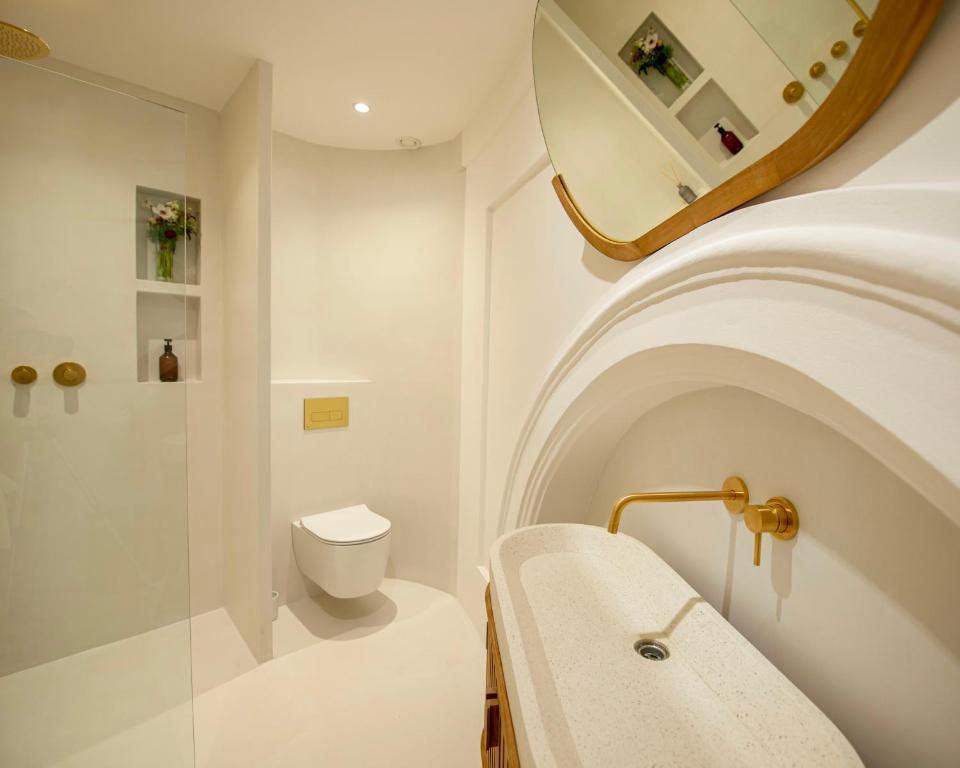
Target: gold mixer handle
<point x="24" y="374"/>
<point x="778" y="517"/>
<point x="69" y="374"/>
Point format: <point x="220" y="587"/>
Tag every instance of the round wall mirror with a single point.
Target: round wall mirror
<point x="659" y="116"/>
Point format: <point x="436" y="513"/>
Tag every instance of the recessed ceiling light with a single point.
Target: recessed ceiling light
<point x="409" y="142"/>
<point x="361" y="107"/>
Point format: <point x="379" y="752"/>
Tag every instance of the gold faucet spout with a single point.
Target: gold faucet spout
<point x="734" y="496"/>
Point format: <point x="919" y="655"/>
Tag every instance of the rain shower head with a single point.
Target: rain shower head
<point x="19" y="43"/>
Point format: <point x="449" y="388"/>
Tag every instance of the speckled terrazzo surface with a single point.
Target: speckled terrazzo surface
<point x="570" y="601"/>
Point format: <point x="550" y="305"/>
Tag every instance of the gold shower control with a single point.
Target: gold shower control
<point x="24" y="374"/>
<point x="326" y="413"/>
<point x="69" y="374"/>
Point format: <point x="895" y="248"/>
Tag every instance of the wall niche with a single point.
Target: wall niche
<point x="167" y="309"/>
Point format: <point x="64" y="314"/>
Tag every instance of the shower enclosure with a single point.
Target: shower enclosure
<point x="94" y="590"/>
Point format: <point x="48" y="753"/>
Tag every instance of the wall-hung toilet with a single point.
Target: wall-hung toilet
<point x="344" y="552"/>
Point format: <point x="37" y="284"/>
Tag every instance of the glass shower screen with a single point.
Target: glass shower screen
<point x="94" y="592"/>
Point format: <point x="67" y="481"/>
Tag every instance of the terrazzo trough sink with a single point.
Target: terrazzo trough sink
<point x="574" y="608"/>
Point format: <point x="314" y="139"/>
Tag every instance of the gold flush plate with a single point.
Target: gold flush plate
<point x="326" y="413"/>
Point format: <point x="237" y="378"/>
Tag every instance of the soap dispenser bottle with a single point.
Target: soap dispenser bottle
<point x="729" y="139"/>
<point x="169" y="366"/>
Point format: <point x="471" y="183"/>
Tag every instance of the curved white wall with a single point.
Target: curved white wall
<point x="858" y="606"/>
<point x="366" y="301"/>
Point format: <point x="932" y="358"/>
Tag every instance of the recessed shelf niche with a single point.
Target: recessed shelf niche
<point x="711" y="105"/>
<point x="658" y="83"/>
<point x="168" y="316"/>
<point x="186" y="259"/>
<point x="167" y="309"/>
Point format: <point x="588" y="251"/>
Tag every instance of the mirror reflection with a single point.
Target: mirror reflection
<point x="647" y="105"/>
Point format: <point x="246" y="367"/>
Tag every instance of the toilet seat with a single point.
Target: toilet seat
<point x="346" y="527"/>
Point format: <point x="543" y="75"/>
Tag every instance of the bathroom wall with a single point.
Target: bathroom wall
<point x="246" y="176"/>
<point x="859" y="605"/>
<point x="528" y="278"/>
<point x="366" y="303"/>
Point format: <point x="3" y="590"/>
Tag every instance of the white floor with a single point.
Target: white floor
<point x="395" y="679"/>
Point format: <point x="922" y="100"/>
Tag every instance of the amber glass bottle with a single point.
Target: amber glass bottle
<point x="730" y="140"/>
<point x="169" y="365"/>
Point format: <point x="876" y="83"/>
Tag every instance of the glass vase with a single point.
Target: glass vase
<point x="165" y="251"/>
<point x="675" y="75"/>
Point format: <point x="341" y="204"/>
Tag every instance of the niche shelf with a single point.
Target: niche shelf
<point x="167" y="315"/>
<point x="711" y="105"/>
<point x="167" y="289"/>
<point x="167" y="309"/>
<point x="662" y="87"/>
<point x="186" y="259"/>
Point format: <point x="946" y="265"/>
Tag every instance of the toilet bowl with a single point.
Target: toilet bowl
<point x="344" y="552"/>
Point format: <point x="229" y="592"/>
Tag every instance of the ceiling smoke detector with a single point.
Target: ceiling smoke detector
<point x="409" y="142"/>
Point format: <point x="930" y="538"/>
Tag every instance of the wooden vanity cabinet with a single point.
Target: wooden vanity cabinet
<point x="498" y="742"/>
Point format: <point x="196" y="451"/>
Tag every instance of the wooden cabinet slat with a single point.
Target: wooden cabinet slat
<point x="498" y="742"/>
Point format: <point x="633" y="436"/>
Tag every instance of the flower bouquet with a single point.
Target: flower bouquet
<point x="167" y="222"/>
<point x="650" y="52"/>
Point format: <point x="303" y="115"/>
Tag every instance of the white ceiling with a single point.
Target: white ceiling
<point x="424" y="66"/>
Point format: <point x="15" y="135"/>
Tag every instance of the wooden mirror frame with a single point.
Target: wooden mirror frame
<point x="892" y="39"/>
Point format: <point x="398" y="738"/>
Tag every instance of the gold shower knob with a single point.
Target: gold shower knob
<point x="24" y="374"/>
<point x="817" y="69"/>
<point x="793" y="92"/>
<point x="839" y="48"/>
<point x="859" y="28"/>
<point x="69" y="374"/>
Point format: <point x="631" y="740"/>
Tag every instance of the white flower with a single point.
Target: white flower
<point x="165" y="212"/>
<point x="651" y="41"/>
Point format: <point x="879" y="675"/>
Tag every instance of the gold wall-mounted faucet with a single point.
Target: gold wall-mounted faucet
<point x="777" y="517"/>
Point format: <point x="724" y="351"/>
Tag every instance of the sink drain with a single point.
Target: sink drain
<point x="651" y="650"/>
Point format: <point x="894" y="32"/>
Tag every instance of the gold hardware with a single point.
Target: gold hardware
<point x="778" y="517"/>
<point x="817" y="69"/>
<point x="793" y="92"/>
<point x="19" y="43"/>
<point x="69" y="374"/>
<point x="839" y="48"/>
<point x="24" y="374"/>
<point x="734" y="495"/>
<point x="861" y="14"/>
<point x="326" y="412"/>
<point x="859" y="28"/>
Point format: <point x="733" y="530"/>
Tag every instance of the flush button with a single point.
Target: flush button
<point x="326" y="412"/>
